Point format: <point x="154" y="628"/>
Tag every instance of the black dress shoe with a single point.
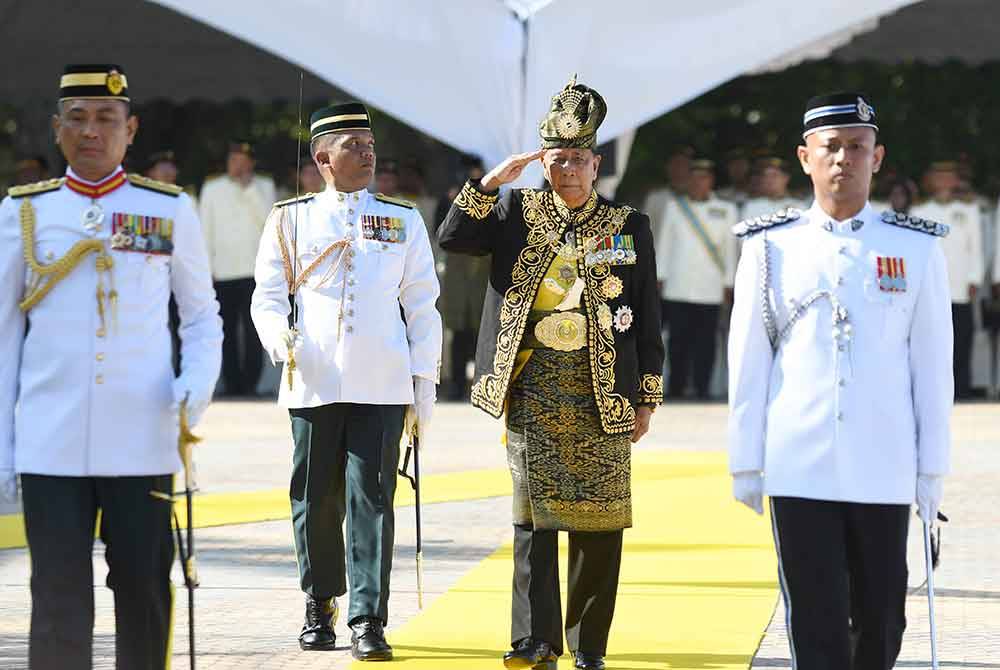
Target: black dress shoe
<point x="529" y="653"/>
<point x="317" y="630"/>
<point x="368" y="640"/>
<point x="585" y="661"/>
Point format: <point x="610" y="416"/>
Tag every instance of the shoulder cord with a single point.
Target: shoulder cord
<point x="45" y="277"/>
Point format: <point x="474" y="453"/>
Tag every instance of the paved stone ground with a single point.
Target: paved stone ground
<point x="249" y="607"/>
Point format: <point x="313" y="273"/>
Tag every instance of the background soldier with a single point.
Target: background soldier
<point x="96" y="422"/>
<point x="353" y="362"/>
<point x="695" y="254"/>
<point x="233" y="209"/>
<point x="963" y="251"/>
<point x="774" y="196"/>
<point x="570" y="347"/>
<point x="840" y="392"/>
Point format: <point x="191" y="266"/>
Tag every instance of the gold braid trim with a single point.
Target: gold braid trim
<point x="475" y="203"/>
<point x="489" y="393"/>
<point x="46" y="277"/>
<point x="286" y="260"/>
<point x="617" y="413"/>
<point x="651" y="389"/>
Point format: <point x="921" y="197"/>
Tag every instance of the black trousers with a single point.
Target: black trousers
<point x="692" y="345"/>
<point x="842" y="570"/>
<point x="344" y="466"/>
<point x="242" y="353"/>
<point x="594" y="564"/>
<point x="59" y="517"/>
<point x="962" y="325"/>
<point x="463" y="350"/>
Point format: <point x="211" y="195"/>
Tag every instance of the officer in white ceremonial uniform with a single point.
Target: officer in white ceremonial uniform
<point x="353" y="364"/>
<point x="773" y="176"/>
<point x="963" y="252"/>
<point x="840" y="392"/>
<point x="696" y="258"/>
<point x="88" y="263"/>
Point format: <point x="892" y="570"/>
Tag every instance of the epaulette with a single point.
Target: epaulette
<point x="748" y="227"/>
<point x="302" y="198"/>
<point x="36" y="188"/>
<point x="914" y="223"/>
<point x="163" y="187"/>
<point x="381" y="197"/>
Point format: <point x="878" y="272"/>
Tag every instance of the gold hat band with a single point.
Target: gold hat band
<point x="337" y="119"/>
<point x="88" y="79"/>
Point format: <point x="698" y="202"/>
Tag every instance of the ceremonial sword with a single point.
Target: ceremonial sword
<point x="293" y="315"/>
<point x="414" y="479"/>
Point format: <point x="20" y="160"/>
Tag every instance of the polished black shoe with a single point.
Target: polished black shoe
<point x="317" y="630"/>
<point x="368" y="640"/>
<point x="529" y="653"/>
<point x="585" y="661"/>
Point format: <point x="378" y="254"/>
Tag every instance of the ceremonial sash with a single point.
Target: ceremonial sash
<point x="701" y="234"/>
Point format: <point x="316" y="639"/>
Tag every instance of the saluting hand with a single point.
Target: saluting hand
<point x="509" y="170"/>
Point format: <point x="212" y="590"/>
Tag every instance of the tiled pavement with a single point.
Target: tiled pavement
<point x="249" y="607"/>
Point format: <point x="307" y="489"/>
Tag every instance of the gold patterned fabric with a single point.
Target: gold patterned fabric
<point x="548" y="218"/>
<point x="568" y="473"/>
<point x="650" y="390"/>
<point x="475" y="203"/>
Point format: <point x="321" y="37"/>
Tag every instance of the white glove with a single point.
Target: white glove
<point x="291" y="339"/>
<point x="748" y="488"/>
<point x="8" y="486"/>
<point x="420" y="412"/>
<point x="930" y="489"/>
<point x="197" y="402"/>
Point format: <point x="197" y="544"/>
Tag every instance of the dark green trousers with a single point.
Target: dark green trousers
<point x="59" y="518"/>
<point x="344" y="466"/>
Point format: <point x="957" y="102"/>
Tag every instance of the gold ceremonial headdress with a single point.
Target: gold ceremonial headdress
<point x="576" y="113"/>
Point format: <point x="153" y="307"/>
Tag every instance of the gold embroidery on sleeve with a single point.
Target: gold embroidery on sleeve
<point x="651" y="389"/>
<point x="475" y="204"/>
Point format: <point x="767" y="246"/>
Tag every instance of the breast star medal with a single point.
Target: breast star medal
<point x="611" y="287"/>
<point x="623" y="318"/>
<point x="92" y="218"/>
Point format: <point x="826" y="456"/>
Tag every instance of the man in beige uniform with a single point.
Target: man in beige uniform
<point x="233" y="210"/>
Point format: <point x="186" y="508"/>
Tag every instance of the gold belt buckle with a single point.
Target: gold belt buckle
<point x="563" y="331"/>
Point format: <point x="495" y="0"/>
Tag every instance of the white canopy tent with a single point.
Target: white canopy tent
<point x="478" y="74"/>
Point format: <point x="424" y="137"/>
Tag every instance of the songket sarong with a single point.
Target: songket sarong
<point x="568" y="473"/>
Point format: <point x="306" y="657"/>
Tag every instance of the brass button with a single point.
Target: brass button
<point x="100" y="357"/>
<point x="840" y="416"/>
<point x="49" y="256"/>
<point x="100" y="332"/>
<point x="350" y="297"/>
<point x="350" y="312"/>
<point x="842" y="382"/>
<point x="385" y="247"/>
<point x="149" y="259"/>
<point x="350" y="329"/>
<point x="350" y="211"/>
<point x="350" y="282"/>
<point x="99" y="379"/>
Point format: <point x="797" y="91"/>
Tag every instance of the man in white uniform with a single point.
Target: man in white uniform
<point x="963" y="252"/>
<point x="695" y="260"/>
<point x="361" y="341"/>
<point x="840" y="392"/>
<point x="773" y="177"/>
<point x="234" y="207"/>
<point x="88" y="261"/>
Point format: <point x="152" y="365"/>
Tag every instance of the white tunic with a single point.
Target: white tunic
<point x="356" y="345"/>
<point x="963" y="248"/>
<point x="850" y="416"/>
<point x="233" y="216"/>
<point x="684" y="264"/>
<point x="93" y="401"/>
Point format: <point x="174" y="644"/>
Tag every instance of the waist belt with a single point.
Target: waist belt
<point x="562" y="331"/>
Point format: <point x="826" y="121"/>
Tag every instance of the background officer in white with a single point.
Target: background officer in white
<point x="774" y="196"/>
<point x="352" y="260"/>
<point x="95" y="426"/>
<point x="840" y="392"/>
<point x="696" y="256"/>
<point x="963" y="252"/>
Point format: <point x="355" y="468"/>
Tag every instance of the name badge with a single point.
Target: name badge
<point x="383" y="228"/>
<point x="611" y="249"/>
<point x="142" y="234"/>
